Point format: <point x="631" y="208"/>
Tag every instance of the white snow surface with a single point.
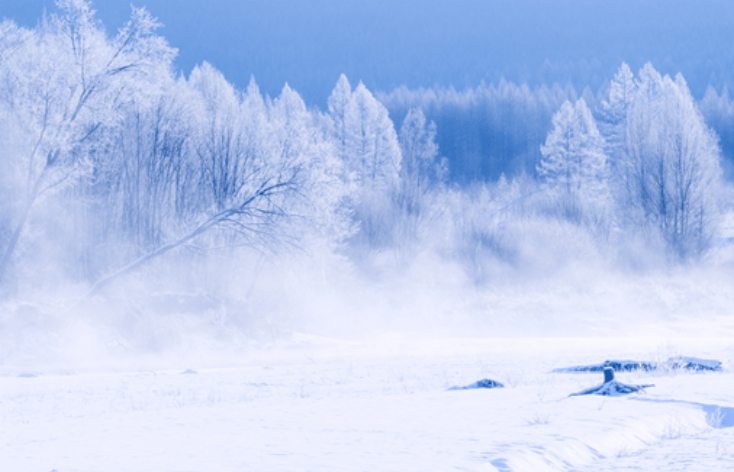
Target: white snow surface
<point x="316" y="404"/>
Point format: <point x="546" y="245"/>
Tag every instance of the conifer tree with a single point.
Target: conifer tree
<point x="420" y="170"/>
<point x="574" y="163"/>
<point x="614" y="112"/>
<point x="368" y="146"/>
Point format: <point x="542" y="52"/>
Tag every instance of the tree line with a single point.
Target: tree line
<point x="111" y="159"/>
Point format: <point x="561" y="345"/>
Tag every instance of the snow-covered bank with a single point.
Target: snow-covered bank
<point x="316" y="404"/>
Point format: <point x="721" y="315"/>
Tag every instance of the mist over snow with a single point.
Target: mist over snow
<point x="149" y="212"/>
<point x="274" y="235"/>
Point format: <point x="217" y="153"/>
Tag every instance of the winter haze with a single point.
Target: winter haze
<point x="354" y="205"/>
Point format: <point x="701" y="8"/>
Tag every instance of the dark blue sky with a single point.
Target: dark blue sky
<point x="388" y="43"/>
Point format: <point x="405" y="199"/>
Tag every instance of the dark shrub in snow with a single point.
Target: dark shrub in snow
<point x="679" y="362"/>
<point x="611" y="387"/>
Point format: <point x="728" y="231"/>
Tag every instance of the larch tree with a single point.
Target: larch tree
<point x="422" y="176"/>
<point x="613" y="122"/>
<point x="420" y="170"/>
<point x="343" y="114"/>
<point x="573" y="166"/>
<point x="368" y="146"/>
<point x="366" y="135"/>
<point x="300" y="141"/>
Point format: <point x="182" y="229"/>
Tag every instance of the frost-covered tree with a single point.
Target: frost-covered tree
<point x="299" y="140"/>
<point x="574" y="164"/>
<point x="366" y="137"/>
<point x="224" y="137"/>
<point x="62" y="85"/>
<point x="263" y="173"/>
<point x="420" y="171"/>
<point x="613" y="123"/>
<point x="368" y="146"/>
<point x="138" y="190"/>
<point x="671" y="164"/>
<point x="422" y="179"/>
<point x="343" y="114"/>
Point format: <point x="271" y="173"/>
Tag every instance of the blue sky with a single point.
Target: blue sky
<point x="388" y="43"/>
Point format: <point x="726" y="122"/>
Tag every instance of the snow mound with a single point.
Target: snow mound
<point x="717" y="416"/>
<point x="484" y="383"/>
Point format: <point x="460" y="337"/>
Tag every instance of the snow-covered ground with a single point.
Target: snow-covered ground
<point x="315" y="404"/>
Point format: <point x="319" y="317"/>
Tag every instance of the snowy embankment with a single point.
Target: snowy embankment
<point x="319" y="405"/>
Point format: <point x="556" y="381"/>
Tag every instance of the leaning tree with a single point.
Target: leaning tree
<point x="63" y="83"/>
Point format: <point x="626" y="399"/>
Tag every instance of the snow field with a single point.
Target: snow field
<point x="328" y="406"/>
